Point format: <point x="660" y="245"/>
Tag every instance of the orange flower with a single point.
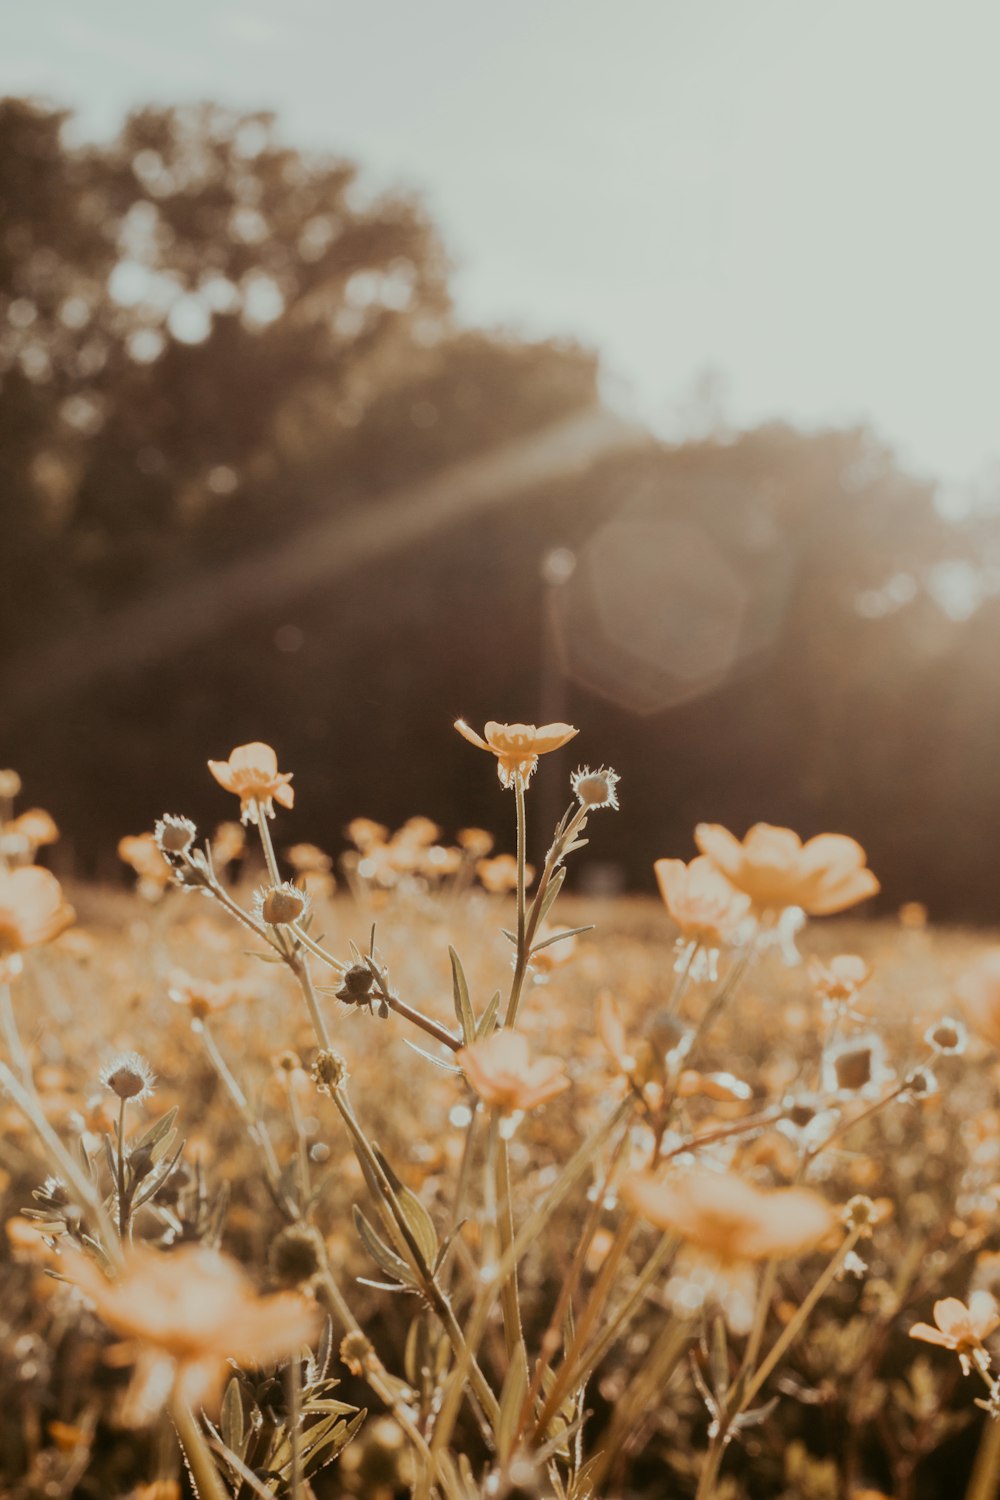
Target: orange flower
<point x="499" y="874"/>
<point x="476" y="842"/>
<point x="229" y="842"/>
<point x="33" y="910"/>
<point x="501" y="1071"/>
<point x="959" y="1327"/>
<point x="517" y="746"/>
<point x="144" y="855"/>
<point x="35" y="826"/>
<point x="308" y="859"/>
<point x="775" y="869"/>
<point x="365" y="833"/>
<point x="190" y="1311"/>
<point x="252" y="774"/>
<point x="840" y="979"/>
<point x="978" y="990"/>
<point x="728" y="1218"/>
<point x="699" y="900"/>
<point x="203" y="998"/>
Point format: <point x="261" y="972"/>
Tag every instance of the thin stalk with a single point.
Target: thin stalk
<point x="565" y="834"/>
<point x="208" y="1484"/>
<point x="509" y="1298"/>
<point x="120" y="1166"/>
<point x="63" y="1163"/>
<point x="12" y="1035"/>
<point x="274" y="874"/>
<point x="294" y="1433"/>
<point x="256" y="1129"/>
<point x="301" y="1144"/>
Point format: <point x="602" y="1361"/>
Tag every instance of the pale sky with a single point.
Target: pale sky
<point x="802" y="196"/>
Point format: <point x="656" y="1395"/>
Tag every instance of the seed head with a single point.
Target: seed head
<point x="295" y="1256"/>
<point x="129" y="1076"/>
<point x="281" y="904"/>
<point x="329" y="1072"/>
<point x="356" y="985"/>
<point x="174" y="835"/>
<point x="596" y="788"/>
<point x="947" y="1037"/>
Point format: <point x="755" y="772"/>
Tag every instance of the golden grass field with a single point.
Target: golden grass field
<point x="850" y="1406"/>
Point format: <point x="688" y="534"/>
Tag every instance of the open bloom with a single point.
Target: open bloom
<point x="959" y="1327"/>
<point x="504" y="1075"/>
<point x="252" y="774"/>
<point x="728" y="1218"/>
<point x="700" y="900"/>
<point x="189" y="1311"/>
<point x="33" y="910"/>
<point x="775" y="869"/>
<point x="517" y="746"/>
<point x="499" y="874"/>
<point x="143" y="853"/>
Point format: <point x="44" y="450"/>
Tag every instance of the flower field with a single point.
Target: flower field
<point x="408" y="1173"/>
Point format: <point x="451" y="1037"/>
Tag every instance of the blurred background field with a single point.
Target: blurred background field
<point x="654" y="400"/>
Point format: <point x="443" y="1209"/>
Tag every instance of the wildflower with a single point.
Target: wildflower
<point x="201" y="996"/>
<point x="10" y="786"/>
<point x="417" y="832"/>
<point x="978" y="990"/>
<point x="807" y="1120"/>
<point x="295" y="1256"/>
<point x="174" y="835"/>
<point x="438" y="861"/>
<point x="921" y="1084"/>
<point x="33" y="910"/>
<point x="856" y="1066"/>
<point x="356" y="985"/>
<point x="476" y="842"/>
<point x="499" y="874"/>
<point x="729" y="1218"/>
<point x="504" y="1075"/>
<point x="129" y="1076"/>
<point x="307" y="859"/>
<point x="840" y="980"/>
<point x="190" y="1312"/>
<point x="861" y="1213"/>
<point x="252" y="774"/>
<point x="963" y="1329"/>
<point x="947" y="1037"/>
<point x="35" y="826"/>
<point x="355" y="1351"/>
<point x="229" y="842"/>
<point x="329" y="1072"/>
<point x="553" y="954"/>
<point x="775" y="869"/>
<point x="279" y="905"/>
<point x="517" y="746"/>
<point x="596" y="788"/>
<point x="364" y="834"/>
<point x="145" y="856"/>
<point x="699" y="900"/>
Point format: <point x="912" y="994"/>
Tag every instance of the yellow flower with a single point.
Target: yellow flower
<point x="503" y="1074"/>
<point x="775" y="869"/>
<point x="841" y="978"/>
<point x="700" y="900"/>
<point x="33" y="910"/>
<point x="35" y="826"/>
<point x="517" y="746"/>
<point x="143" y="853"/>
<point x="960" y="1327"/>
<point x="728" y="1218"/>
<point x="190" y="1311"/>
<point x="499" y="874"/>
<point x="252" y="774"/>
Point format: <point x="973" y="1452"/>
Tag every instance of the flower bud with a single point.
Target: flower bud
<point x="282" y="904"/>
<point x="329" y="1072"/>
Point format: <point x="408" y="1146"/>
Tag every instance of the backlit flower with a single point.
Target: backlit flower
<point x="202" y="997"/>
<point x="517" y="746"/>
<point x="699" y="900"/>
<point x="143" y="853"/>
<point x="959" y="1327"/>
<point x="502" y="1072"/>
<point x="729" y="1218"/>
<point x="35" y="826"/>
<point x="190" y="1311"/>
<point x="839" y="980"/>
<point x="499" y="874"/>
<point x="252" y="774"/>
<point x="775" y="869"/>
<point x="308" y="859"/>
<point x="33" y="910"/>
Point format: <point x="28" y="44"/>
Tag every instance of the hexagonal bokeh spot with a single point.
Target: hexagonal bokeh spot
<point x="655" y="613"/>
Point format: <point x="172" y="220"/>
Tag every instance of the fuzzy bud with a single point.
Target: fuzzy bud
<point x="282" y="904"/>
<point x="329" y="1072"/>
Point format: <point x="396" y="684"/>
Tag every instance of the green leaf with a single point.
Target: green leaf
<point x="231" y="1421"/>
<point x="463" y="1005"/>
<point x="392" y="1264"/>
<point x="487" y="1021"/>
<point x="549" y="899"/>
<point x="420" y="1222"/>
<point x="512" y="1396"/>
<point x="157" y="1131"/>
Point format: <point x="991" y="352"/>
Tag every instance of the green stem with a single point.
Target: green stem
<point x="510" y="1301"/>
<point x="208" y="1484"/>
<point x="122" y="1205"/>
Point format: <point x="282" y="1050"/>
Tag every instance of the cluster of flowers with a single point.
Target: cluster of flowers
<point x="723" y="1225"/>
